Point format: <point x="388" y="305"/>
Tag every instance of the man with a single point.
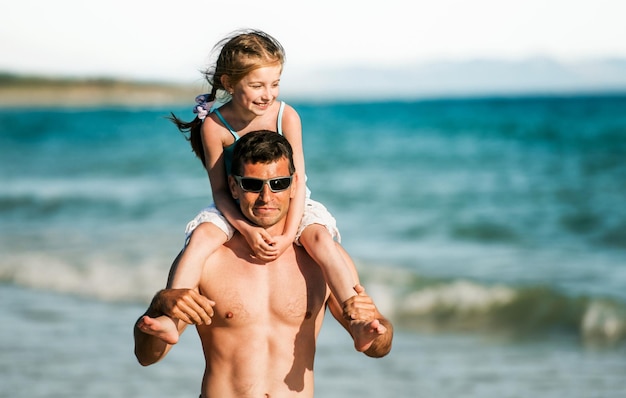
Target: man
<point x="259" y="321"/>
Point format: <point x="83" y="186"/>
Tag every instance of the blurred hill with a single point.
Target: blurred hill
<point x="23" y="91"/>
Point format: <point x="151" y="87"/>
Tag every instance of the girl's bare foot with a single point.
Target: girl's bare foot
<point x="162" y="327"/>
<point x="365" y="332"/>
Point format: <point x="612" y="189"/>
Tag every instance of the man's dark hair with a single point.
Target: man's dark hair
<point x="261" y="146"/>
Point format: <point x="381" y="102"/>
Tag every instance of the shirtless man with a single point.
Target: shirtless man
<point x="259" y="321"/>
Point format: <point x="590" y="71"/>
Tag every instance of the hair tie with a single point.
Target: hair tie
<point x="203" y="107"/>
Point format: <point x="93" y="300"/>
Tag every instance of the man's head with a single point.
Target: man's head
<point x="262" y="177"/>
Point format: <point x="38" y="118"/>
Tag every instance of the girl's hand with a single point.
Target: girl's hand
<point x="261" y="243"/>
<point x="281" y="243"/>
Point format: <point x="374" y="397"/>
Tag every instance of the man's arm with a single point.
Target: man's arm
<point x="149" y="348"/>
<point x="182" y="306"/>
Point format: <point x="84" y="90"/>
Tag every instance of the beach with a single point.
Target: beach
<point x="490" y="230"/>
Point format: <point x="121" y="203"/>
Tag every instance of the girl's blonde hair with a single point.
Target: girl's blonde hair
<point x="237" y="55"/>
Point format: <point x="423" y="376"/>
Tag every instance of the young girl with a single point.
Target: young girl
<point x="246" y="78"/>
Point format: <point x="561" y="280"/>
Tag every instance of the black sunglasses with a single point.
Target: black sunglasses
<point x="250" y="184"/>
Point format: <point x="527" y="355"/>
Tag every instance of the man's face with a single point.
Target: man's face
<point x="265" y="208"/>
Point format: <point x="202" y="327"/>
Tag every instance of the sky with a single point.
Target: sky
<point x="171" y="40"/>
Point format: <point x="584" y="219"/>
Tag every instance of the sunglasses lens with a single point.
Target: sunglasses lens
<point x="280" y="184"/>
<point x="251" y="184"/>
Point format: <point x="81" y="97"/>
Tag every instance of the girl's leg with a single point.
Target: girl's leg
<point x="322" y="248"/>
<point x="185" y="274"/>
<point x="339" y="276"/>
<point x="204" y="240"/>
<point x="363" y="330"/>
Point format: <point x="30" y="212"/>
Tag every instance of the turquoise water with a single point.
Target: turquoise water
<point x="492" y="231"/>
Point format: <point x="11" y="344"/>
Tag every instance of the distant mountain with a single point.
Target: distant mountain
<point x="480" y="77"/>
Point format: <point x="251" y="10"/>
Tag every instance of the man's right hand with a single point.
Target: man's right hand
<point x="185" y="304"/>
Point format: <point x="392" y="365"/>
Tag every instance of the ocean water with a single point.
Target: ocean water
<point x="492" y="231"/>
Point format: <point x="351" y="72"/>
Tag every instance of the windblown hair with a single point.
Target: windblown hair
<point x="237" y="55"/>
<point x="261" y="146"/>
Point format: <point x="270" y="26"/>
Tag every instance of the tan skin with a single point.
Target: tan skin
<point x="258" y="321"/>
<point x="254" y="107"/>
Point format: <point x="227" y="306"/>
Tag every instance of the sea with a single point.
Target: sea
<point x="490" y="230"/>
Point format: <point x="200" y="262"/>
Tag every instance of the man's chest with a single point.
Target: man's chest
<point x="243" y="293"/>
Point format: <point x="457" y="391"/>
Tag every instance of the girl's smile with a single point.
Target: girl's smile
<point x="258" y="90"/>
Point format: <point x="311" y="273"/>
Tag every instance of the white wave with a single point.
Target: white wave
<point x="463" y="297"/>
<point x="127" y="189"/>
<point x="98" y="277"/>
<point x="605" y="321"/>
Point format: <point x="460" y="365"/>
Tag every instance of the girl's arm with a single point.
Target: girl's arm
<point x="292" y="130"/>
<point x="213" y="144"/>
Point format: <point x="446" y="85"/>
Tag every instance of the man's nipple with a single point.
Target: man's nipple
<point x="229" y="315"/>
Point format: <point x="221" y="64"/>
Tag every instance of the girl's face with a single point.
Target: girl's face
<point x="258" y="90"/>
